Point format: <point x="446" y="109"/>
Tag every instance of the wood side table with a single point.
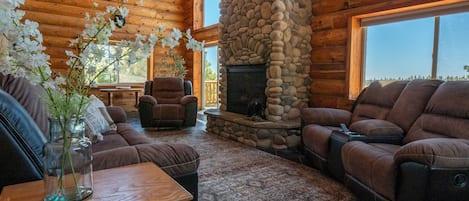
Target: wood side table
<point x="109" y="92"/>
<point x="139" y="182"/>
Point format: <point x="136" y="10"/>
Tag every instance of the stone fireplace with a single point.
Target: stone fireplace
<point x="277" y="35"/>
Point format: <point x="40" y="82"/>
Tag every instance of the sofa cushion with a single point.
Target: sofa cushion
<point x="376" y="127"/>
<point x="436" y="152"/>
<point x="130" y="135"/>
<point x="316" y="138"/>
<point x="110" y="140"/>
<point x="175" y="159"/>
<point x="377" y="100"/>
<point x="437" y="126"/>
<point x="168" y="112"/>
<point x="446" y="114"/>
<point x="372" y="164"/>
<point x="412" y="101"/>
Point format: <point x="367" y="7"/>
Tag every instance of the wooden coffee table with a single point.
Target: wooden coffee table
<point x="139" y="182"/>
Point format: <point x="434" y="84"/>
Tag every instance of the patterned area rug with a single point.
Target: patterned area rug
<point x="233" y="171"/>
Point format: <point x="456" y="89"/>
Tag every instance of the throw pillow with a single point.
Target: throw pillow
<point x="112" y="125"/>
<point x="102" y="108"/>
<point x="95" y="121"/>
<point x="91" y="133"/>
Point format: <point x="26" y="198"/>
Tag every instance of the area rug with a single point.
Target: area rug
<point x="233" y="171"/>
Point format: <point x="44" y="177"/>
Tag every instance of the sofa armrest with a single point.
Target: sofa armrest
<point x="436" y="152"/>
<point x="376" y="127"/>
<point x="325" y="116"/>
<point x="117" y="114"/>
<point x="188" y="99"/>
<point x="148" y="99"/>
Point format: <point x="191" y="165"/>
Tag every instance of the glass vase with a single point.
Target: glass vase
<point x="67" y="161"/>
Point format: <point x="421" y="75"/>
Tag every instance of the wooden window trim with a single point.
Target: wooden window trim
<point x="356" y="30"/>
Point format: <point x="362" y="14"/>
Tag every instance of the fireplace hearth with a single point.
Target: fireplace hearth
<point x="276" y="34"/>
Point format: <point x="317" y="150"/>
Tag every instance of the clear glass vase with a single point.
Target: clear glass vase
<point x="67" y="161"/>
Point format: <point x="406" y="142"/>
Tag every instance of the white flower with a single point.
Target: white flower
<point x="176" y="34"/>
<point x="188" y="34"/>
<point x="110" y="9"/>
<point x="123" y="11"/>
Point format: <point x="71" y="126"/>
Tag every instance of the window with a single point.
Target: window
<point x="210" y="77"/>
<point x="133" y="73"/>
<point x="404" y="50"/>
<point x="211" y="12"/>
<point x="429" y="43"/>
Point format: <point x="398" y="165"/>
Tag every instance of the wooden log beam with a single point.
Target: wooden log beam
<point x="332" y="37"/>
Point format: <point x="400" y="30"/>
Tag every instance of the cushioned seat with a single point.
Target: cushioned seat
<point x="168" y="102"/>
<point x="373" y="164"/>
<point x="432" y="161"/>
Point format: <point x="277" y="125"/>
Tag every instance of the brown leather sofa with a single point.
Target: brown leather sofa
<point x="416" y="150"/>
<point x="23" y="125"/>
<point x="168" y="102"/>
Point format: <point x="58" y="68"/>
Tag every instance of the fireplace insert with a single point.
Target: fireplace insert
<point x="246" y="84"/>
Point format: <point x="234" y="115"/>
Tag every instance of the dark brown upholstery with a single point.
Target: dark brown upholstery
<point x="123" y="146"/>
<point x="372" y="164"/>
<point x="433" y="161"/>
<point x="378" y="100"/>
<point x="375" y="102"/>
<point x="168" y="102"/>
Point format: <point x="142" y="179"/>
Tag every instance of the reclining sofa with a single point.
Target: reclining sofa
<point x="403" y="140"/>
<point x="24" y="129"/>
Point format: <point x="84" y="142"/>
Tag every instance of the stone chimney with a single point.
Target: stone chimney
<point x="276" y="33"/>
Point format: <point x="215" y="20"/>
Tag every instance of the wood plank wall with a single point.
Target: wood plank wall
<point x="63" y="20"/>
<point x="329" y="42"/>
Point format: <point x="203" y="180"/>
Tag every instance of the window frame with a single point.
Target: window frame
<point x="149" y="72"/>
<point x="356" y="51"/>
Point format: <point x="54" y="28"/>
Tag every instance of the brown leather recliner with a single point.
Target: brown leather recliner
<point x="432" y="163"/>
<point x="375" y="102"/>
<point x="168" y="102"/>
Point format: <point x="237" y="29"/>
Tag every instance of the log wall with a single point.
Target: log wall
<point x="329" y="41"/>
<point x="63" y="20"/>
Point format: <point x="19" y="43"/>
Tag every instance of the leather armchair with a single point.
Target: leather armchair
<point x="168" y="102"/>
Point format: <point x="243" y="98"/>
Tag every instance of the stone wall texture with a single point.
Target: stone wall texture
<point x="276" y="33"/>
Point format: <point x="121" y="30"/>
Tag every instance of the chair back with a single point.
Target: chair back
<point x="446" y="114"/>
<point x="168" y="90"/>
<point x="377" y="100"/>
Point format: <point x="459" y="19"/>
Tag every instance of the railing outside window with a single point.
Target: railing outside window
<point x="211" y="90"/>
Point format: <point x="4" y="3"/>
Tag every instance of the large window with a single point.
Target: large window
<point x="428" y="41"/>
<point x="432" y="47"/>
<point x="121" y="72"/>
<point x="210" y="77"/>
<point x="211" y="12"/>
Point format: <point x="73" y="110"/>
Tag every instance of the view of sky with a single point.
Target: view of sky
<point x="405" y="49"/>
<point x="401" y="49"/>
